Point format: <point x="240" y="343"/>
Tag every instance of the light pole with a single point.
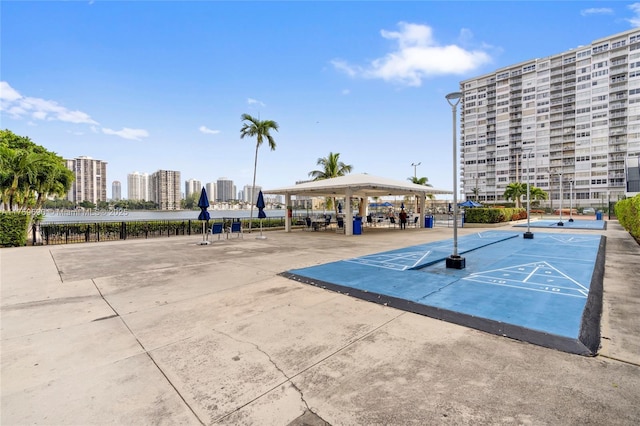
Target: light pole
<point x="528" y="235"/>
<point x="455" y="261"/>
<point x="560" y="223"/>
<point x="571" y="200"/>
<point x="415" y="172"/>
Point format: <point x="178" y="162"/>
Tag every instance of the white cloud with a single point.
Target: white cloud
<point x="206" y="130"/>
<point x="346" y="91"/>
<point x="8" y="93"/>
<point x="252" y="101"/>
<point x="126" y="133"/>
<point x="596" y="11"/>
<point x="635" y="21"/>
<point x="417" y="56"/>
<point x="18" y="106"/>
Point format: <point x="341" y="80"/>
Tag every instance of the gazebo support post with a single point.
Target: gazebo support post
<point x="287" y="222"/>
<point x="348" y="213"/>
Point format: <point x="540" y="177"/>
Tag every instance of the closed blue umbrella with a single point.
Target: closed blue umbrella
<point x="339" y="207"/>
<point x="260" y="205"/>
<point x="203" y="203"/>
<point x="402" y="205"/>
<point x="261" y="214"/>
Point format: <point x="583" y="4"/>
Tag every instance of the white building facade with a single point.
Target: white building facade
<point x="211" y="191"/>
<point x="116" y="190"/>
<point x="192" y="186"/>
<point x="165" y="189"/>
<point x="90" y="182"/>
<point x="568" y="124"/>
<point x="248" y="196"/>
<point x="225" y="190"/>
<point x="138" y="186"/>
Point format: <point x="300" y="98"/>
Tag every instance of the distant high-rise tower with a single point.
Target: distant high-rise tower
<point x="165" y="189"/>
<point x="91" y="180"/>
<point x="192" y="186"/>
<point x="211" y="190"/>
<point x="249" y="196"/>
<point x="225" y="190"/>
<point x="138" y="186"/>
<point x="116" y="190"/>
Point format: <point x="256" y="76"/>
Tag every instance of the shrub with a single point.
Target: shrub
<point x="628" y="214"/>
<point x="13" y="229"/>
<point x="494" y="215"/>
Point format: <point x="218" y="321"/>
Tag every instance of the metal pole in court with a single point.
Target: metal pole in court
<point x="455" y="261"/>
<point x="560" y="223"/>
<point x="528" y="235"/>
<point x="571" y="200"/>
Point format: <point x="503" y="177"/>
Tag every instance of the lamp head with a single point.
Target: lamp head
<point x="454" y="98"/>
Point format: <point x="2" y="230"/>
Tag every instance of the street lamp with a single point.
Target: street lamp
<point x="528" y="235"/>
<point x="455" y="261"/>
<point x="571" y="200"/>
<point x="560" y="223"/>
<point x="415" y="165"/>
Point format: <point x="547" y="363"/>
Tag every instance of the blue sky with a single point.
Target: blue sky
<point x="149" y="85"/>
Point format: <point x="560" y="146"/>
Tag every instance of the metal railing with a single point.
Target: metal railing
<point x="89" y="232"/>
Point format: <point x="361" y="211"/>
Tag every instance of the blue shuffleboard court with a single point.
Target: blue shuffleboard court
<point x="546" y="290"/>
<point x="576" y="224"/>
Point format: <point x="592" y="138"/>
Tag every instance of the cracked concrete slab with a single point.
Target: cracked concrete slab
<point x="225" y="375"/>
<point x="127" y="391"/>
<point x="168" y="323"/>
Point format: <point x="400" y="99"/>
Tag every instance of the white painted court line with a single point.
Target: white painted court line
<point x="551" y="279"/>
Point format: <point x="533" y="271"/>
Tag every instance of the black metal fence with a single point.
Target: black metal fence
<point x="85" y="232"/>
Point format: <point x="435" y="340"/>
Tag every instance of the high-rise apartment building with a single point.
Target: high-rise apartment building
<point x="568" y="124"/>
<point x="192" y="186"/>
<point x="91" y="180"/>
<point x="138" y="186"/>
<point x="211" y="191"/>
<point x="116" y="190"/>
<point x="248" y="196"/>
<point x="165" y="189"/>
<point x="225" y="190"/>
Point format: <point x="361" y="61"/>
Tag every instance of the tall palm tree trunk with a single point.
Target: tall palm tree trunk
<point x="253" y="186"/>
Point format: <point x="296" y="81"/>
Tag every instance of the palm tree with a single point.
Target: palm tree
<point x="475" y="192"/>
<point x="538" y="194"/>
<point x="332" y="167"/>
<point x="54" y="178"/>
<point x="424" y="181"/>
<point x="260" y="129"/>
<point x="514" y="191"/>
<point x="19" y="170"/>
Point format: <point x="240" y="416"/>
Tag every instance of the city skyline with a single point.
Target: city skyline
<point x="365" y="79"/>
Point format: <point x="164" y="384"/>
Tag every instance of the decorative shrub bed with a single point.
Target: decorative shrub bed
<point x="628" y="214"/>
<point x="494" y="215"/>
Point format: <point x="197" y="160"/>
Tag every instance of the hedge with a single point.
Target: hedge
<point x="493" y="215"/>
<point x="13" y="229"/>
<point x="628" y="214"/>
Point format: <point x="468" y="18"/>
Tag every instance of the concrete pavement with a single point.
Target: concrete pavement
<point x="167" y="331"/>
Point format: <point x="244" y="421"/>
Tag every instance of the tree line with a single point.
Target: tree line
<point x="29" y="173"/>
